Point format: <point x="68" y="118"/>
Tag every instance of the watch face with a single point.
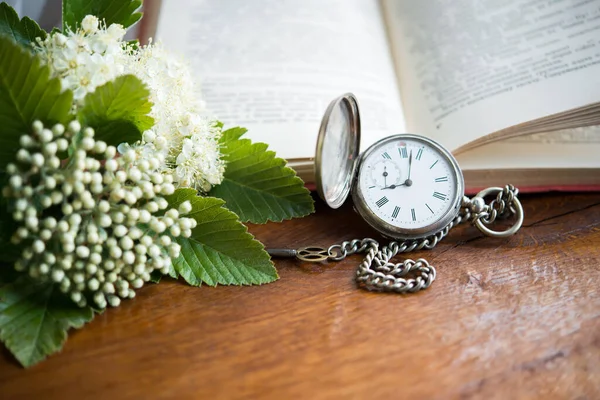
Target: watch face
<point x="408" y="186"/>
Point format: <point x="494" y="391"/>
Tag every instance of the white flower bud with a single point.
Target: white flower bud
<point x="67" y="209"/>
<point x="57" y="275"/>
<point x="149" y="136"/>
<point x="135" y="233"/>
<point x="140" y="249"/>
<point x="168" y="189"/>
<point x="185" y="207"/>
<point x="44" y="269"/>
<point x="56" y="197"/>
<point x="45" y="234"/>
<point x="31" y="223"/>
<point x="175" y="230"/>
<point x="143" y="165"/>
<point x="120" y="230"/>
<point x="45" y="202"/>
<point x="126" y="243"/>
<point x="129" y="156"/>
<point x="128" y="257"/>
<point x="165" y="240"/>
<point x="137" y="283"/>
<point x="37" y="160"/>
<point x="146" y="241"/>
<point x="46" y="135"/>
<point x="109" y="265"/>
<point x="91" y="268"/>
<point x="58" y="129"/>
<point x="115" y="252"/>
<point x="130" y="198"/>
<point x="37" y="126"/>
<point x="114" y="301"/>
<point x="50" y="182"/>
<point x="104" y="221"/>
<point x="108" y="287"/>
<point x="15" y="181"/>
<point x="74" y="126"/>
<point x="111" y="165"/>
<point x="50" y="258"/>
<point x="174" y="250"/>
<point x="83" y="251"/>
<point x="145" y="216"/>
<point x="154" y="251"/>
<point x="25" y="141"/>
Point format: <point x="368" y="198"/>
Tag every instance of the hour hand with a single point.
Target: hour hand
<point x="393" y="186"/>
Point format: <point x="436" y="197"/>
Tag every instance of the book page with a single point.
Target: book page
<point x="561" y="149"/>
<point x="273" y="66"/>
<point x="468" y="68"/>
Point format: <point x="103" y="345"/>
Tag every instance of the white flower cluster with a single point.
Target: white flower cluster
<point x="188" y="139"/>
<point x="98" y="226"/>
<point x="87" y="58"/>
<point x="183" y="134"/>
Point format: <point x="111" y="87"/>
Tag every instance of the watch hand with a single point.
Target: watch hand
<point x="394" y="186"/>
<point x="385" y="174"/>
<point x="408" y="182"/>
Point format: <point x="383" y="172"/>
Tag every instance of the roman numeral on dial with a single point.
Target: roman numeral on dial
<point x="442" y="179"/>
<point x="382" y="201"/>
<point x="402" y="151"/>
<point x="439" y="195"/>
<point x="419" y="154"/>
<point x="395" y="212"/>
<point x="412" y="211"/>
<point x="386" y="155"/>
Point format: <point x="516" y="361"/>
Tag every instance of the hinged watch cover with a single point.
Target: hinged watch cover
<point x="337" y="152"/>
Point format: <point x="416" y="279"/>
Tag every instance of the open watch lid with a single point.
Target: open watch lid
<point x="337" y="151"/>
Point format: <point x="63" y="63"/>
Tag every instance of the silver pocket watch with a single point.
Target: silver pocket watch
<point x="407" y="187"/>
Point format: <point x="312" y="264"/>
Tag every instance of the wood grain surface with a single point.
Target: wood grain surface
<point x="513" y="318"/>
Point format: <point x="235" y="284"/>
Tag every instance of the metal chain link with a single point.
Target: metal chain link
<point x="376" y="272"/>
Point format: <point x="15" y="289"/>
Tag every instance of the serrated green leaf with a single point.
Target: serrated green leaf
<point x="111" y="11"/>
<point x="26" y="94"/>
<point x="35" y="318"/>
<point x="22" y="31"/>
<point x="220" y="251"/>
<point x="257" y="185"/>
<point x="232" y="134"/>
<point x="118" y="110"/>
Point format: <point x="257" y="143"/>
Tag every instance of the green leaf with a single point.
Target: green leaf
<point x="257" y="185"/>
<point x="111" y="11"/>
<point x="22" y="31"/>
<point x="118" y="110"/>
<point x="35" y="318"/>
<point x="220" y="251"/>
<point x="26" y="94"/>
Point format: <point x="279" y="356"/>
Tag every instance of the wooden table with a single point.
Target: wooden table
<point x="506" y="318"/>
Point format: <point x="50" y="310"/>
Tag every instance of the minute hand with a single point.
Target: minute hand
<point x="408" y="181"/>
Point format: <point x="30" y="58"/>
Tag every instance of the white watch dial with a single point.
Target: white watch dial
<point x="408" y="183"/>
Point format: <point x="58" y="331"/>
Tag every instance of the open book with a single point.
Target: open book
<point x="512" y="88"/>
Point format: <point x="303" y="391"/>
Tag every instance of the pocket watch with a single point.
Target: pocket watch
<point x="407" y="187"/>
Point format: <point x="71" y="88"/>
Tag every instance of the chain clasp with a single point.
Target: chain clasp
<point x="485" y="214"/>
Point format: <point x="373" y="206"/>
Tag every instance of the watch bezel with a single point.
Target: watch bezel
<point x="385" y="227"/>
